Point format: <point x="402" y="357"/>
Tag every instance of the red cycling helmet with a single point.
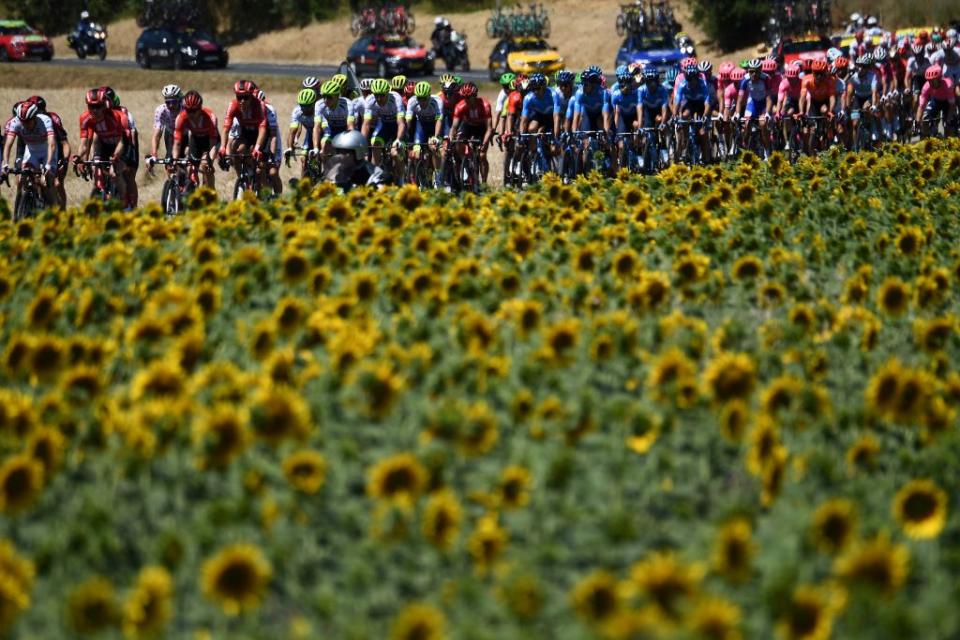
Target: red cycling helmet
<point x="243" y="88"/>
<point x="807" y="65"/>
<point x="193" y="101"/>
<point x="468" y="90"/>
<point x="27" y="110"/>
<point x="792" y="71"/>
<point x="40" y="102"/>
<point x="841" y="63"/>
<point x="768" y="65"/>
<point x="933" y="72"/>
<point x="818" y="66"/>
<point x="923" y="36"/>
<point x="95" y="97"/>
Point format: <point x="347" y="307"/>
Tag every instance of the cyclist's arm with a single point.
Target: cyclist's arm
<point x="261" y="133"/>
<point x="605" y="110"/>
<point x="8" y="146"/>
<point x="367" y="127"/>
<point x="804" y="94"/>
<point x="454" y="128"/>
<point x="51" y="145"/>
<point x="293" y="134"/>
<point x="741" y="99"/>
<point x="157" y="134"/>
<point x="489" y="135"/>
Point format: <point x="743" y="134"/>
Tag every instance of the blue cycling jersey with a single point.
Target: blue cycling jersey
<point x="563" y="101"/>
<point x="593" y="103"/>
<point x="627" y="101"/>
<point x="755" y="90"/>
<point x="696" y="90"/>
<point x="653" y="99"/>
<point x="534" y="104"/>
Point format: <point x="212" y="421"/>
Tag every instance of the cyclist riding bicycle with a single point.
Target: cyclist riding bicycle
<point x="358" y="104"/>
<point x="104" y="135"/>
<point x="383" y="124"/>
<point x="592" y="110"/>
<point x="164" y="117"/>
<point x="500" y="106"/>
<point x="861" y="95"/>
<point x="625" y="112"/>
<point x="818" y="95"/>
<point x="196" y="126"/>
<point x="425" y="116"/>
<point x="565" y="92"/>
<point x="540" y="110"/>
<point x="653" y="103"/>
<point x="132" y="153"/>
<point x="251" y="118"/>
<point x="695" y="100"/>
<point x="450" y="96"/>
<point x="788" y="101"/>
<point x="937" y="99"/>
<point x="755" y="98"/>
<point x="63" y="147"/>
<point x="40" y="147"/>
<point x="302" y="120"/>
<point x="472" y="120"/>
<point x="333" y="117"/>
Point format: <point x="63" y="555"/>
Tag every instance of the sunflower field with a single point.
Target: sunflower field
<point x="716" y="403"/>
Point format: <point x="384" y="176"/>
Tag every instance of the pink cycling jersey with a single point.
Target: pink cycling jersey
<point x="730" y="95"/>
<point x="943" y="93"/>
<point x="789" y="88"/>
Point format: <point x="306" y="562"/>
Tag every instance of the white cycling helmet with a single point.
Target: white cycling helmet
<point x="872" y="21"/>
<point x="172" y="92"/>
<point x="84" y="15"/>
<point x="854" y="17"/>
<point x="438" y="21"/>
<point x="365" y="84"/>
<point x="833" y="53"/>
<point x="310" y="82"/>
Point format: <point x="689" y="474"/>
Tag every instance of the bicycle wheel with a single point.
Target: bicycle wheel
<point x="239" y="188"/>
<point x="23" y="206"/>
<point x="168" y="198"/>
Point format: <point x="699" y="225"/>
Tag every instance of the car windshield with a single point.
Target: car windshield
<point x="805" y="46"/>
<point x="399" y="42"/>
<point x="645" y="41"/>
<point x="531" y="45"/>
<point x="22" y="30"/>
<point x="194" y="35"/>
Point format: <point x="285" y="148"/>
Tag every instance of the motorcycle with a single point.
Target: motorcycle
<point x="89" y="40"/>
<point x="454" y="52"/>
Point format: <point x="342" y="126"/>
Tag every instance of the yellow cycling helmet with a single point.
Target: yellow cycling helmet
<point x="306" y="97"/>
<point x="330" y="88"/>
<point x="422" y="90"/>
<point x="398" y="82"/>
<point x="380" y="87"/>
<point x="446" y="79"/>
<point x="339" y="79"/>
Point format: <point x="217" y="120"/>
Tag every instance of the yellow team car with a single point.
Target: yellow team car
<point x="524" y="55"/>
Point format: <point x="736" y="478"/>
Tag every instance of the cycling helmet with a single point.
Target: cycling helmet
<point x="622" y="71"/>
<point x="422" y="89"/>
<point x="308" y="97"/>
<point x="564" y="77"/>
<point x="686" y="62"/>
<point x="380" y="87"/>
<point x="537" y="81"/>
<point x="672" y="74"/>
<point x="865" y="60"/>
<point x="590" y="76"/>
<point x="792" y="71"/>
<point x="365" y="84"/>
<point x="192" y="101"/>
<point x="725" y="69"/>
<point x="833" y="53"/>
<point x="650" y="75"/>
<point x="458" y="80"/>
<point x="933" y="72"/>
<point x="110" y="96"/>
<point x="768" y="65"/>
<point x="261" y="96"/>
<point x="172" y="92"/>
<point x="917" y="49"/>
<point x="597" y="70"/>
<point x="880" y="54"/>
<point x="351" y="141"/>
<point x="469" y="90"/>
<point x="446" y="79"/>
<point x="818" y="66"/>
<point x="635" y="67"/>
<point x="755" y="65"/>
<point x="327" y="89"/>
<point x="691" y="70"/>
<point x="243" y="88"/>
<point x="94" y="97"/>
<point x="339" y="78"/>
<point x="397" y="82"/>
<point x="842" y="63"/>
<point x="578" y="79"/>
<point x="624" y="77"/>
<point x="310" y="82"/>
<point x="738" y="74"/>
<point x="705" y="66"/>
<point x="506" y="79"/>
<point x="40" y="102"/>
<point x="27" y="110"/>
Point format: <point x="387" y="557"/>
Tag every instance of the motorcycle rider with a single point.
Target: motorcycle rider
<point x="442" y="30"/>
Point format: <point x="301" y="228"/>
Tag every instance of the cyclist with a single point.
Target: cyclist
<point x="274" y="150"/>
<point x="104" y="134"/>
<point x="40" y="146"/>
<point x="755" y="98"/>
<point x="917" y="66"/>
<point x="771" y="70"/>
<point x="889" y="88"/>
<point x="302" y="119"/>
<point x="653" y="103"/>
<point x="199" y="125"/>
<point x="132" y="150"/>
<point x="251" y="121"/>
<point x="397" y="84"/>
<point x="625" y="113"/>
<point x="409" y="91"/>
<point x="63" y="146"/>
<point x="695" y="100"/>
<point x="564" y="92"/>
<point x="310" y="82"/>
<point x="164" y="117"/>
<point x="592" y="109"/>
<point x="788" y="102"/>
<point x="358" y="104"/>
<point x="500" y="107"/>
<point x="937" y="98"/>
<point x="425" y="116"/>
<point x="383" y="125"/>
<point x="861" y="95"/>
<point x="540" y="111"/>
<point x="818" y="96"/>
<point x="472" y="120"/>
<point x="333" y="117"/>
<point x="450" y="96"/>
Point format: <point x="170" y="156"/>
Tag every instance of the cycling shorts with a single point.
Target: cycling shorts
<point x="385" y="133"/>
<point x="753" y="108"/>
<point x="859" y="101"/>
<point x="200" y="146"/>
<point x="626" y="120"/>
<point x="447" y="123"/>
<point x="650" y="117"/>
<point x="246" y="137"/>
<point x="36" y="155"/>
<point x="334" y="131"/>
<point x="423" y="132"/>
<point x="542" y="118"/>
<point x="936" y="108"/>
<point x="697" y="107"/>
<point x="104" y="151"/>
<point x="791" y="104"/>
<point x="817" y="107"/>
<point x="472" y="132"/>
<point x="131" y="155"/>
<point x="591" y="122"/>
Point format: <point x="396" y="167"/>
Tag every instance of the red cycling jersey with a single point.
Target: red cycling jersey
<point x="819" y="91"/>
<point x="57" y="126"/>
<point x="205" y="128"/>
<point x="893" y="70"/>
<point x="253" y="117"/>
<point x="110" y="129"/>
<point x="515" y="103"/>
<point x="474" y="115"/>
<point x="450" y="103"/>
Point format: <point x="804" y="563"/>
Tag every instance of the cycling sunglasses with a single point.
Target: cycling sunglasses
<point x="172" y="103"/>
<point x="242" y="96"/>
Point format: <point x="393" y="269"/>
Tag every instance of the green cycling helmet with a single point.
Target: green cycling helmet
<point x="507" y="78"/>
<point x="579" y="79"/>
<point x="458" y="79"/>
<point x="380" y="87"/>
<point x="306" y="97"/>
<point x="422" y="90"/>
<point x="330" y="88"/>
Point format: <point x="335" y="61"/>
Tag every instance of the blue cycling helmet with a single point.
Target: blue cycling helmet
<point x="622" y="71"/>
<point x="672" y="74"/>
<point x="691" y="70"/>
<point x="595" y="69"/>
<point x="590" y="76"/>
<point x="651" y="74"/>
<point x="564" y="77"/>
<point x="538" y="80"/>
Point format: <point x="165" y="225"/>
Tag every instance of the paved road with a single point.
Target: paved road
<point x="252" y="69"/>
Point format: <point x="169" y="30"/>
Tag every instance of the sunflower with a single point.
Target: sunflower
<point x="43" y="308"/>
<point x="597" y="598"/>
<point x="47" y="357"/>
<point x="716" y="619"/>
<point x="809" y="615"/>
<point x="21" y="481"/>
<point x="764" y="445"/>
<point x="419" y="622"/>
<point x="782" y="394"/>
<point x="161" y="379"/>
<point x="17" y="353"/>
<point x="625" y="263"/>
<point x="771" y="294"/>
<point x="883" y="387"/>
<point x="236" y="578"/>
<point x="91" y="606"/>
<point x="691" y="268"/>
<point x="893" y="297"/>
<point x="380" y="388"/>
<point x="561" y="339"/>
<point x="772" y="477"/>
<point x="654" y="289"/>
<point x="294" y="266"/>
<point x="862" y="454"/>
<point x="46" y="446"/>
<point x="513" y="489"/>
<point x="523" y="596"/>
<point x="921" y="509"/>
<point x="666" y="581"/>
<point x="733" y="551"/>
<point x="305" y="470"/>
<point x="400" y="478"/>
<point x="16" y="583"/>
<point x="441" y="519"/>
<point x="149" y="606"/>
<point x="668" y="371"/>
<point x="932" y="335"/>
<point x="602" y="348"/>
<point x="730" y="376"/>
<point x="834" y="525"/>
<point x="877" y="564"/>
<point x="643" y="431"/>
<point x="289" y="314"/>
<point x="263" y="339"/>
<point x="278" y="413"/>
<point x="910" y="240"/>
<point x="486" y="543"/>
<point x="81" y="384"/>
<point x="747" y="268"/>
<point x="479" y="431"/>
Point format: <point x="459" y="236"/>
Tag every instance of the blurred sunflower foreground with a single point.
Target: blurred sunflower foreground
<point x="717" y="403"/>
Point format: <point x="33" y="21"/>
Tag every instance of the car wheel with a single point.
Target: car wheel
<point x="177" y="61"/>
<point x="143" y="60"/>
<point x="102" y="53"/>
<point x="381" y="69"/>
<point x="81" y="51"/>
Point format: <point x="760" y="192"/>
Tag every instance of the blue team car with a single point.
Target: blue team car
<point x="657" y="49"/>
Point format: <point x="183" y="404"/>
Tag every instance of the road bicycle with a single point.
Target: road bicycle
<point x="250" y="173"/>
<point x="628" y="157"/>
<point x="687" y="129"/>
<point x="180" y="183"/>
<point x="30" y="198"/>
<point x="98" y="170"/>
<point x="533" y="165"/>
<point x="314" y="164"/>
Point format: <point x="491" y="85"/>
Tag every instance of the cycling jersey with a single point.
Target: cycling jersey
<point x="299" y="119"/>
<point x="756" y="91"/>
<point x="35" y="137"/>
<point x="818" y="91"/>
<point x="110" y="129"/>
<point x="473" y="115"/>
<point x="893" y="72"/>
<point x="562" y="99"/>
<point x="789" y="89"/>
<point x="942" y="93"/>
<point x="58" y="127"/>
<point x="730" y="95"/>
<point x="693" y="91"/>
<point x="773" y="82"/>
<point x="249" y="114"/>
<point x="387" y="112"/>
<point x="539" y="106"/>
<point x="204" y="127"/>
<point x="357" y="111"/>
<point x="652" y="99"/>
<point x="625" y="103"/>
<point x="501" y="102"/>
<point x="515" y="104"/>
<point x="334" y="119"/>
<point x="594" y="103"/>
<point x="863" y="84"/>
<point x="428" y="112"/>
<point x="164" y="118"/>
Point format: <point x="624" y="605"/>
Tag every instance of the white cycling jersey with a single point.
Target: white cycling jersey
<point x="501" y="101"/>
<point x="427" y="114"/>
<point x="863" y="83"/>
<point x="35" y="138"/>
<point x="164" y="119"/>
<point x="335" y="119"/>
<point x="387" y="112"/>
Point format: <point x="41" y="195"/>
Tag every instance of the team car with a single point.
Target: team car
<point x="20" y="41"/>
<point x="805" y="48"/>
<point x="383" y="56"/>
<point x="179" y="49"/>
<point x="659" y="50"/>
<point x="524" y="55"/>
